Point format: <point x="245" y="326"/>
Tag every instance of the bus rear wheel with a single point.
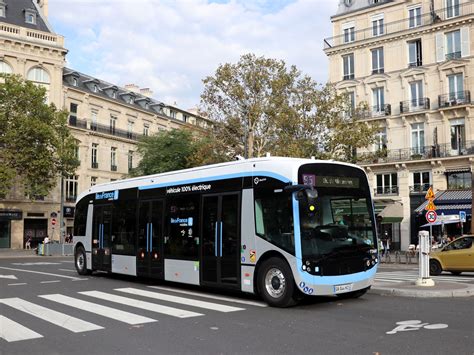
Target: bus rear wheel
<point x="80" y="261"/>
<point x="276" y="283"/>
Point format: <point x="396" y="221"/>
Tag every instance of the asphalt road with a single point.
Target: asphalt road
<point x="178" y="319"/>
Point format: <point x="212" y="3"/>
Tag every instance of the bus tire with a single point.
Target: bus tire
<point x="80" y="261"/>
<point x="276" y="283"/>
<point x="353" y="294"/>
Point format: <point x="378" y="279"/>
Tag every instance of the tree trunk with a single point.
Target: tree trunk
<point x="250" y="144"/>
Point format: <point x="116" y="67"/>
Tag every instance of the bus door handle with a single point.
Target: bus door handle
<point x="220" y="244"/>
<point x="215" y="240"/>
<point x="101" y="236"/>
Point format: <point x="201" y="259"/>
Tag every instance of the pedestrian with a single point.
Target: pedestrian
<point x="28" y="243"/>
<point x="387" y="247"/>
<point x="46" y="240"/>
<point x="381" y="247"/>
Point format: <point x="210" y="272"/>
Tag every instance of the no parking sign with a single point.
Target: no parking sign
<point x="431" y="216"/>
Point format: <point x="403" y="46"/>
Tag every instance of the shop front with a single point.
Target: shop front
<point x="389" y="217"/>
<point x="6" y="216"/>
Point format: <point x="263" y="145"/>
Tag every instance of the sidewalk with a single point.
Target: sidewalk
<point x="22" y="253"/>
<point x="440" y="289"/>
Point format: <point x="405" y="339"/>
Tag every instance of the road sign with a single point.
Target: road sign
<point x="430" y="194"/>
<point x="462" y="216"/>
<point x="431" y="216"/>
<point x="53" y="221"/>
<point x="430" y="206"/>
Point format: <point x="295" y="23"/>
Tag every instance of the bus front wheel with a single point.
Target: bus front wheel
<point x="276" y="283"/>
<point x="80" y="261"/>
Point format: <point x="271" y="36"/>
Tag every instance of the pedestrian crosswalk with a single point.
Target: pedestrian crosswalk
<point x="43" y="306"/>
<point x="411" y="275"/>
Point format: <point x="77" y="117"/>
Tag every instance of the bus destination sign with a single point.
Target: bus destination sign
<point x="337" y="181"/>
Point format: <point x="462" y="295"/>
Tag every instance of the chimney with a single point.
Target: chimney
<point x="146" y="92"/>
<point x="132" y="87"/>
<point x="43" y="5"/>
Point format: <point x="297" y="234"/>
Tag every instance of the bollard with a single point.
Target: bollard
<point x="424" y="260"/>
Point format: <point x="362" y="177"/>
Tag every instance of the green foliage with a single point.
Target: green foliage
<point x="35" y="144"/>
<point x="174" y="150"/>
<point x="259" y="106"/>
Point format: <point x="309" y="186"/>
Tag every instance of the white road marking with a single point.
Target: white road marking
<point x="13" y="331"/>
<point x="18" y="284"/>
<point x="175" y="312"/>
<point x="187" y="301"/>
<point x="73" y="324"/>
<point x="11" y="277"/>
<point x="206" y="295"/>
<point x="109" y="312"/>
<point x="68" y="270"/>
<point x="37" y="263"/>
<point x="50" y="282"/>
<point x="40" y="272"/>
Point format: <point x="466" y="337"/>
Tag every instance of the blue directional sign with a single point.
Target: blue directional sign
<point x="462" y="216"/>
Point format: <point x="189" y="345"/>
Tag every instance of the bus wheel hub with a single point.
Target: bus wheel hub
<point x="275" y="282"/>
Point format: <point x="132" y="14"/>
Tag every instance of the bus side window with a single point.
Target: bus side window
<point x="259" y="226"/>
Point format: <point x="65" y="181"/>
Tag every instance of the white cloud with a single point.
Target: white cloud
<point x="170" y="46"/>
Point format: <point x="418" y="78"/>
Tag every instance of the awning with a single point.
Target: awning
<point x="450" y="202"/>
<point x="438" y="222"/>
<point x="392" y="213"/>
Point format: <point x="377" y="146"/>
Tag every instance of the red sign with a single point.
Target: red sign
<point x="431" y="216"/>
<point x="53" y="221"/>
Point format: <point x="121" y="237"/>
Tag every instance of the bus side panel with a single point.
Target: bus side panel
<point x="124" y="264"/>
<point x="185" y="271"/>
<point x="248" y="256"/>
<point x="88" y="239"/>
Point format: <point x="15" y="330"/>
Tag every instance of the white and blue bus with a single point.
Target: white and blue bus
<point x="277" y="227"/>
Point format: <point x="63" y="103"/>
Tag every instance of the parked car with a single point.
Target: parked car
<point x="455" y="257"/>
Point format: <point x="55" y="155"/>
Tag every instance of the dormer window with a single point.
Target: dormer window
<point x="114" y="94"/>
<point x="130" y="100"/>
<point x="147" y="106"/>
<point x="95" y="88"/>
<point x="74" y="81"/>
<point x="30" y="16"/>
<point x="3" y="9"/>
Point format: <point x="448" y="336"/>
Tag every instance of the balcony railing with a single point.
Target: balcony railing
<point x="381" y="110"/>
<point x="31" y="35"/>
<point x="94" y="165"/>
<point x="402" y="25"/>
<point x="348" y="77"/>
<point x="386" y="191"/>
<point x="454" y="99"/>
<point x="71" y="198"/>
<point x="75" y="122"/>
<point x="418" y="153"/>
<point x="423" y="103"/>
<point x="453" y="55"/>
<point x="419" y="188"/>
<point x="113" y="167"/>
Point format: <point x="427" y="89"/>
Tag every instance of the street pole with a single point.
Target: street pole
<point x="61" y="217"/>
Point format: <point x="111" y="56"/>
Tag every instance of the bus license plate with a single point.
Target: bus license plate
<point x="343" y="288"/>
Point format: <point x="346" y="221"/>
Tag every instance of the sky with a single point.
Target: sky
<point x="170" y="46"/>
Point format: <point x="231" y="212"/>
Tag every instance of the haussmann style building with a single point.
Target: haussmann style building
<point x="412" y="63"/>
<point x="107" y="121"/>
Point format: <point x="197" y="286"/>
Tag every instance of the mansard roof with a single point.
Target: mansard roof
<point x="83" y="80"/>
<point x="15" y="15"/>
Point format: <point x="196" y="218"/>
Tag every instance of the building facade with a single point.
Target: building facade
<point x="412" y="63"/>
<point x="105" y="119"/>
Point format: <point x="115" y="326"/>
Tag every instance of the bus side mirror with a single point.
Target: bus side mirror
<point x="304" y="192"/>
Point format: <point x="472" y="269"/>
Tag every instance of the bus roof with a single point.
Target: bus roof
<point x="282" y="167"/>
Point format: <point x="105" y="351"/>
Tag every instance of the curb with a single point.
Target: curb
<point x="409" y="290"/>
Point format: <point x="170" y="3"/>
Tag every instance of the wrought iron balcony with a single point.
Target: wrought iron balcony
<point x="419" y="188"/>
<point x="381" y="110"/>
<point x="427" y="19"/>
<point x="386" y="191"/>
<point x="378" y="71"/>
<point x="422" y="103"/>
<point x="454" y="99"/>
<point x="75" y="122"/>
<point x="453" y="55"/>
<point x="419" y="153"/>
<point x="348" y="77"/>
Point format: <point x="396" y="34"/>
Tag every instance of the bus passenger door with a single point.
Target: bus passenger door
<point x="221" y="240"/>
<point x="102" y="229"/>
<point x="150" y="235"/>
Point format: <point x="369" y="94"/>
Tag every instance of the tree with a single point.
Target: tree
<point x="174" y="150"/>
<point x="35" y="144"/>
<point x="259" y="106"/>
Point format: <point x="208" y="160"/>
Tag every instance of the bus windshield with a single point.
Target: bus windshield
<point x="339" y="223"/>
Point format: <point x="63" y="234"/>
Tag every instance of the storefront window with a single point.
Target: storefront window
<point x="459" y="180"/>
